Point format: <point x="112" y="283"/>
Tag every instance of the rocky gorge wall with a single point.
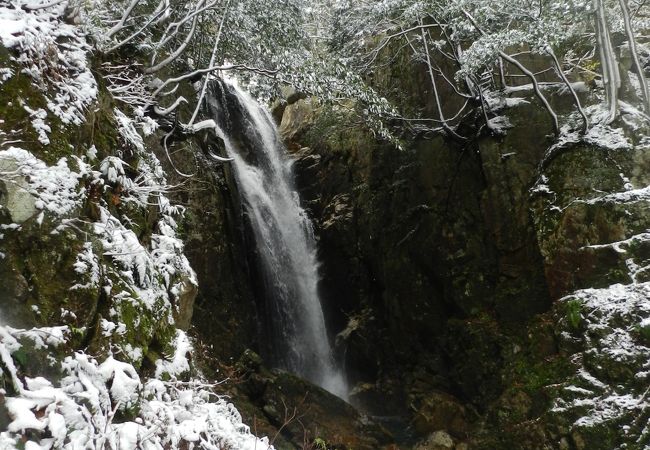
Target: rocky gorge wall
<point x="454" y="274"/>
<point x="430" y="260"/>
<point x="489" y="295"/>
<point x="453" y="282"/>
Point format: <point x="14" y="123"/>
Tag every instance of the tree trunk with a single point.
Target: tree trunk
<point x="635" y="55"/>
<point x="608" y="61"/>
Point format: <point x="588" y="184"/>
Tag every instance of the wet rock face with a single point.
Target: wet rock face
<point x="440" y="440"/>
<point x="574" y="216"/>
<point x="510" y="166"/>
<point x="441" y="411"/>
<point x="413" y="239"/>
<point x="186" y="292"/>
<point x="443" y="268"/>
<point x="224" y="311"/>
<point x="13" y="297"/>
<point x="296" y="414"/>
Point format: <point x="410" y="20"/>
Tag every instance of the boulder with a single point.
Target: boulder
<point x="438" y="440"/>
<point x="15" y="196"/>
<point x="303" y="412"/>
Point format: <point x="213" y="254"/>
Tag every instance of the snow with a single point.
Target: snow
<point x="166" y="255"/>
<point x="128" y="130"/>
<point x="133" y="353"/>
<point x="79" y="411"/>
<point x="5" y="74"/>
<point x="628" y="196"/>
<point x="41" y="338"/>
<point x="73" y="97"/>
<point x="179" y="363"/>
<point x="54" y="54"/>
<point x="124" y="381"/>
<point x="621" y="246"/>
<point x="112" y="169"/>
<point x="38" y="122"/>
<point x="122" y="244"/>
<point x="58" y="193"/>
<point x="516" y="101"/>
<point x="20" y="29"/>
<point x="55" y="188"/>
<point x="20" y="410"/>
<point x="609" y="341"/>
<point x="111" y="328"/>
<point x="91" y="153"/>
<point x="87" y="264"/>
<point x="495" y="101"/>
<point x="600" y="134"/>
<point x="147" y="124"/>
<point x="607" y="137"/>
<point x="140" y="267"/>
<point x="499" y="124"/>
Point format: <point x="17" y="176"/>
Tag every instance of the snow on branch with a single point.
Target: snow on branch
<point x="481" y="39"/>
<point x="80" y="410"/>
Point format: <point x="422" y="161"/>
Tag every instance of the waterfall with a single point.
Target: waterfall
<point x="284" y="237"/>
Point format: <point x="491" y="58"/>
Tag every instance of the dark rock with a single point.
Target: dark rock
<point x="302" y="411"/>
<point x="440" y="411"/>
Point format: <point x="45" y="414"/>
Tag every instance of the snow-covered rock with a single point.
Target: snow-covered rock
<point x="16" y="197"/>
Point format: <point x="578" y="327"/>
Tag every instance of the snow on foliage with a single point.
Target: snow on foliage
<point x="54" y="54"/>
<point x="179" y="363"/>
<point x="107" y="406"/>
<point x="166" y="253"/>
<point x="38" y="122"/>
<point x="124" y="248"/>
<point x="478" y="48"/>
<point x="57" y="193"/>
<point x="87" y="263"/>
<point x="83" y="400"/>
<point x="128" y="130"/>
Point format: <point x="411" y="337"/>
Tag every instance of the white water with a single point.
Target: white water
<point x="287" y="250"/>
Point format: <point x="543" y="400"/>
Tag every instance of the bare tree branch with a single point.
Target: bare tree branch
<point x="525" y="71"/>
<point x="561" y="74"/>
<point x="444" y="123"/>
<point x="212" y="61"/>
<point x="176" y="53"/>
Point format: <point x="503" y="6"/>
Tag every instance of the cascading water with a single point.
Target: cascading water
<point x="283" y="234"/>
